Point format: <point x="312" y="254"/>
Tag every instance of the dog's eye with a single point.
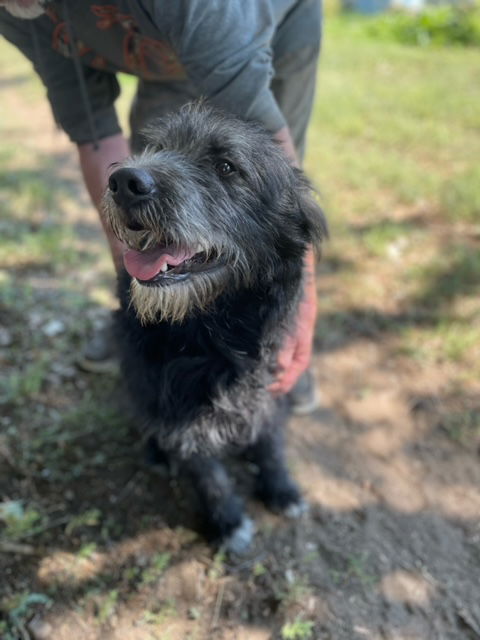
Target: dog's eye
<point x="224" y="168"/>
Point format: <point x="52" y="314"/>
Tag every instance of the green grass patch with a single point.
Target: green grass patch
<point x="20" y="386"/>
<point x="386" y="236"/>
<point x="396" y="127"/>
<point x="457" y="341"/>
<point x="48" y="248"/>
<point x="158" y="565"/>
<point x="462" y="426"/>
<point x="455" y="271"/>
<point x="17" y="519"/>
<point x="444" y="25"/>
<point x="452" y="341"/>
<point x="18" y="609"/>
<point x="298" y="630"/>
<point x="460" y="196"/>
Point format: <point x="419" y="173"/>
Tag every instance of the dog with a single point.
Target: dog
<point x="216" y="223"/>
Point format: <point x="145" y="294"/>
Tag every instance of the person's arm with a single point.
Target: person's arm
<point x="295" y="356"/>
<point x="95" y="165"/>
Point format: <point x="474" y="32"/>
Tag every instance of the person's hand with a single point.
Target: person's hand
<point x="294" y="357"/>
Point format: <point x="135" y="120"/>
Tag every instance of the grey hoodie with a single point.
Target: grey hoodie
<point x="224" y="47"/>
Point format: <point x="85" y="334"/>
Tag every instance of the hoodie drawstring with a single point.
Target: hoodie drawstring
<point x="80" y="75"/>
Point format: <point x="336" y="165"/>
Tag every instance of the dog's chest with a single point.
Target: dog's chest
<point x="198" y="386"/>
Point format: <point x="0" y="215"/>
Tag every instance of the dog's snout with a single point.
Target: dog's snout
<point x="130" y="186"/>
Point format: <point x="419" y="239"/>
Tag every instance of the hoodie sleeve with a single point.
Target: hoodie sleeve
<point x="33" y="38"/>
<point x="225" y="48"/>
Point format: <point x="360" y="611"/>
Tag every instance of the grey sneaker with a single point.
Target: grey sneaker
<point x="100" y="353"/>
<point x="304" y="397"/>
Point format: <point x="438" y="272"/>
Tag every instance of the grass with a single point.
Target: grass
<point x="18" y="521"/>
<point x="394" y="150"/>
<point x="387" y="237"/>
<point x="397" y="124"/>
<point x="18" y="609"/>
<point x="463" y="426"/>
<point x="298" y="630"/>
<point x="445" y="25"/>
<point x="159" y="563"/>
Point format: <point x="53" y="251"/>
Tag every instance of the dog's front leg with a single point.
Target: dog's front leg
<point x="222" y="509"/>
<point x="273" y="484"/>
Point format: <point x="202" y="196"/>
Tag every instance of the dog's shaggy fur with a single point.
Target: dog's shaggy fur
<point x="217" y="223"/>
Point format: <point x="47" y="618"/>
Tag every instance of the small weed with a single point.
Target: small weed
<point x="20" y="386"/>
<point x="14" y="296"/>
<point x="217" y="568"/>
<point x="457" y="340"/>
<point x="18" y="609"/>
<point x="294" y="590"/>
<point x="87" y="550"/>
<point x="159" y="615"/>
<point x="159" y="563"/>
<point x="106" y="606"/>
<point x="357" y="567"/>
<point x="382" y="238"/>
<point x="4" y="632"/>
<point x="131" y="574"/>
<point x="298" y="629"/>
<point x="18" y="521"/>
<point x="462" y="427"/>
<point x="311" y="556"/>
<point x="90" y="518"/>
<point x="259" y="569"/>
<point x="194" y="613"/>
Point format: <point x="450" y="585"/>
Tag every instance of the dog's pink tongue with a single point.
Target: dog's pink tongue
<point x="145" y="265"/>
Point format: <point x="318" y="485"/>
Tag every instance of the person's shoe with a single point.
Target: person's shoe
<point x="304" y="397"/>
<point x="99" y="354"/>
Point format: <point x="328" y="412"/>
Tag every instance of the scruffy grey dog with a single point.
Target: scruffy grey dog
<point x="217" y="223"/>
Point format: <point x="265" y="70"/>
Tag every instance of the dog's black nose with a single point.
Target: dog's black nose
<point x="130" y="186"/>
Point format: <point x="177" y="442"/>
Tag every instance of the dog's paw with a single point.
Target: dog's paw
<point x="296" y="510"/>
<point x="283" y="498"/>
<point x="241" y="537"/>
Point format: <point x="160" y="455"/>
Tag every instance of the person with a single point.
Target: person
<point x="254" y="58"/>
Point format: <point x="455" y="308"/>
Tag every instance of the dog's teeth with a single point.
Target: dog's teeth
<point x="198" y="248"/>
<point x="164" y="267"/>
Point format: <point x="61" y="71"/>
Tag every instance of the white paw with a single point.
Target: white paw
<point x="241" y="538"/>
<point x="296" y="510"/>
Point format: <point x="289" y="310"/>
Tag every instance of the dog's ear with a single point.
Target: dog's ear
<point x="313" y="221"/>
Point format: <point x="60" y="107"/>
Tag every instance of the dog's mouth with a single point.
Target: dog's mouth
<point x="167" y="264"/>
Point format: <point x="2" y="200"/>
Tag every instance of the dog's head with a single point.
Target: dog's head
<point x="211" y="203"/>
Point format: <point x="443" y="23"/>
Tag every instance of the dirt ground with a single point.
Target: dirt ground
<point x="99" y="546"/>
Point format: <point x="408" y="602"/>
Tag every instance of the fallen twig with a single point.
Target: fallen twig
<point x="218" y="606"/>
<point x="15" y="547"/>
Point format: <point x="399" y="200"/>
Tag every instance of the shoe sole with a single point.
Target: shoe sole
<point x="304" y="408"/>
<point x="107" y="367"/>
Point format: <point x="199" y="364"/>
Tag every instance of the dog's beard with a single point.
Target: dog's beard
<point x="173" y="303"/>
<point x="36" y="9"/>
